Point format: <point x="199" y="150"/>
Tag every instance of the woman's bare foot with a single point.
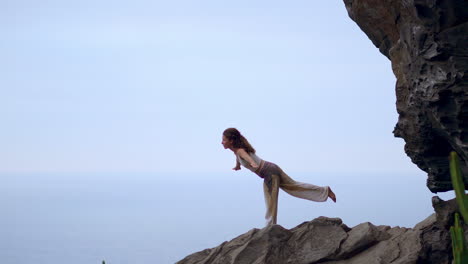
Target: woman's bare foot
<point x="331" y="194"/>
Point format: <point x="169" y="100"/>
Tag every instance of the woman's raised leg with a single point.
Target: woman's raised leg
<point x="304" y="190"/>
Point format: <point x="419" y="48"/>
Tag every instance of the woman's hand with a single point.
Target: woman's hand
<point x="236" y="168"/>
<point x="254" y="165"/>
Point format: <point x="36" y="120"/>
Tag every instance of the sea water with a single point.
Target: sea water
<point x="161" y="218"/>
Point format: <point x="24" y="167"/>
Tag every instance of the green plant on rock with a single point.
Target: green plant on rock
<point x="458" y="185"/>
<point x="459" y="249"/>
<point x="460" y="252"/>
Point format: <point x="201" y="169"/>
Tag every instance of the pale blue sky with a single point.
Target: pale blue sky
<point x="149" y="86"/>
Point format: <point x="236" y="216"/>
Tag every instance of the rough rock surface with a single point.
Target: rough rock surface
<point x="427" y="43"/>
<point x="328" y="240"/>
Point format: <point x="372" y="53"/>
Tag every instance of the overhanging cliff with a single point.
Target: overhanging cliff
<point x="427" y="43"/>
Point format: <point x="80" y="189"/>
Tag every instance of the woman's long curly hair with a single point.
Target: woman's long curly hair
<point x="238" y="140"/>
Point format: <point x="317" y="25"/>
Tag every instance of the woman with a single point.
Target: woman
<point x="273" y="177"/>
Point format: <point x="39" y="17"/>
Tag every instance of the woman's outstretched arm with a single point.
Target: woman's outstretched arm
<point x="237" y="167"/>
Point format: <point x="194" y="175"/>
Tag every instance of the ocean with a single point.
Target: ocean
<point x="161" y="218"/>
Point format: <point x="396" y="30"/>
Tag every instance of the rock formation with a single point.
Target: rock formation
<point x="329" y="241"/>
<point x="427" y="43"/>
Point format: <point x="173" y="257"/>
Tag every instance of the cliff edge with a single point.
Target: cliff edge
<point x="328" y="240"/>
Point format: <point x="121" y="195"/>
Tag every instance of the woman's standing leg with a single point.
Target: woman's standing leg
<point x="270" y="191"/>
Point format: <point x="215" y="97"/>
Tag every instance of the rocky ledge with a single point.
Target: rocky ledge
<point x="427" y="43"/>
<point x="328" y="240"/>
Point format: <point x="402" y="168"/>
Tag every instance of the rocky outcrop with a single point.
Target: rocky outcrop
<point x="328" y="240"/>
<point x="427" y="43"/>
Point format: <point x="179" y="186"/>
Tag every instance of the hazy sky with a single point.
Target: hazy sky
<point x="149" y="86"/>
